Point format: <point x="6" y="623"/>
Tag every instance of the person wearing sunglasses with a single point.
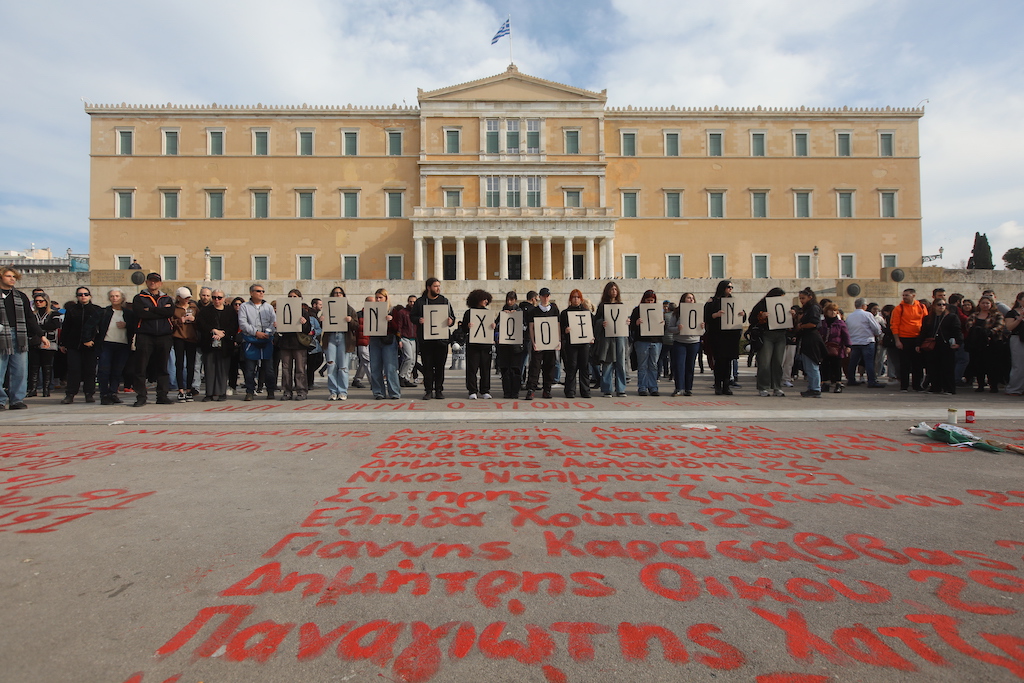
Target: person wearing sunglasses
<point x="78" y="343"/>
<point x="153" y="340"/>
<point x="40" y="359"/>
<point x="217" y="325"/>
<point x="114" y="338"/>
<point x="941" y="336"/>
<point x="257" y="320"/>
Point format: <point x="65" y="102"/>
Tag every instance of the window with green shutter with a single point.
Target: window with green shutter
<point x="629" y="204"/>
<point x="846" y="205"/>
<point x="305" y="268"/>
<point x="672" y="205"/>
<point x="572" y="142"/>
<point x="757" y="144"/>
<point x="351" y="143"/>
<point x="671" y="144"/>
<point x="170" y="268"/>
<point x="888" y="205"/>
<point x="718" y="266"/>
<point x="533" y="136"/>
<point x="799" y="144"/>
<point x="674" y="266"/>
<point x="759" y="205"/>
<point x="512" y="136"/>
<point x="171" y="143"/>
<point x="572" y="198"/>
<point x="493" y="191"/>
<point x="351" y="203"/>
<point x="260" y="267"/>
<point x="216" y="267"/>
<point x="261" y="204"/>
<point x="629" y="144"/>
<point x="843" y="144"/>
<point x="760" y="266"/>
<point x="803" y="205"/>
<point x="395" y="267"/>
<point x="305" y="205"/>
<point x="124" y="204"/>
<point x="216" y="142"/>
<point x="714" y="144"/>
<point x="124" y="141"/>
<point x="261" y="140"/>
<point x="395" y="143"/>
<point x="170" y="204"/>
<point x="533" y="191"/>
<point x="451" y="142"/>
<point x="512" y="191"/>
<point x="394" y="204"/>
<point x="885" y="144"/>
<point x="716" y="205"/>
<point x="803" y="266"/>
<point x="216" y="204"/>
<point x="350" y="267"/>
<point x="306" y="143"/>
<point x="630" y="266"/>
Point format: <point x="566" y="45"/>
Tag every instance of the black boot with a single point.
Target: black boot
<point x="47" y="378"/>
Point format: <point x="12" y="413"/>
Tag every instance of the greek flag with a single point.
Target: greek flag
<point x="503" y="31"/>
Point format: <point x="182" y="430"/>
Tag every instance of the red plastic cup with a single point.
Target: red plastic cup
<point x="969" y="415"/>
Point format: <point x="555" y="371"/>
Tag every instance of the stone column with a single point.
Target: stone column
<point x="481" y="258"/>
<point x="524" y="255"/>
<point x="503" y="257"/>
<point x="460" y="258"/>
<point x="417" y="259"/>
<point x="567" y="260"/>
<point x="589" y="260"/>
<point x="610" y="241"/>
<point x="547" y="259"/>
<point x="602" y="259"/>
<point x="438" y="258"/>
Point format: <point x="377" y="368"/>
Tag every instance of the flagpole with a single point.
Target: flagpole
<point x="510" y="60"/>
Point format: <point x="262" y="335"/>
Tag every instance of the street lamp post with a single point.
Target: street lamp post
<point x="206" y="256"/>
<point x="815" y="251"/>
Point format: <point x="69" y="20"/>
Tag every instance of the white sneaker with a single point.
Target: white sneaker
<point x="762" y="393"/>
<point x="787" y="383"/>
<point x="342" y="397"/>
<point x="472" y="397"/>
<point x="778" y="392"/>
<point x="332" y="397"/>
<point x="230" y="392"/>
<point x="486" y="396"/>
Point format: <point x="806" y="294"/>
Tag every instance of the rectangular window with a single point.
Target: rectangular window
<point x="629" y="204"/>
<point x="629" y="144"/>
<point x="123" y="262"/>
<point x="215" y="204"/>
<point x="395" y="267"/>
<point x="759" y="204"/>
<point x="125" y="203"/>
<point x="803" y="266"/>
<point x="394" y="143"/>
<point x="845" y="207"/>
<point x="261" y="143"/>
<point x="572" y="198"/>
<point x="304" y="268"/>
<point x="842" y="144"/>
<point x="757" y="144"/>
<point x="170" y="269"/>
<point x="493" y="192"/>
<point x="799" y="144"/>
<point x="125" y="138"/>
<point x="512" y="191"/>
<point x="846" y="266"/>
<point x="491" y="136"/>
<point x="802" y="207"/>
<point x="261" y="204"/>
<point x="512" y="136"/>
<point x="216" y="267"/>
<point x="888" y="260"/>
<point x="305" y="207"/>
<point x="215" y="142"/>
<point x="171" y="143"/>
<point x="885" y="144"/>
<point x="674" y="266"/>
<point x="170" y="204"/>
<point x="714" y="144"/>
<point x="888" y="207"/>
<point x="260" y="267"/>
<point x="452" y="144"/>
<point x="533" y="136"/>
<point x="717" y="266"/>
<point x="716" y="205"/>
<point x="453" y="198"/>
<point x="350" y="204"/>
<point x="673" y="205"/>
<point x="305" y="143"/>
<point x="671" y="144"/>
<point x="572" y="142"/>
<point x="350" y="267"/>
<point x="351" y="143"/>
<point x="761" y="266"/>
<point x="533" y="191"/>
<point x="394" y="204"/>
<point x="630" y="266"/>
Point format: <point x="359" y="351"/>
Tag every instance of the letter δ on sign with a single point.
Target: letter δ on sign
<point x="581" y="327"/>
<point x="652" y="320"/>
<point x="732" y="315"/>
<point x="545" y="333"/>
<point x="480" y="326"/>
<point x="375" y="318"/>
<point x="510" y="327"/>
<point x="690" y="318"/>
<point x="618" y="320"/>
<point x="435" y="321"/>
<point x="335" y="312"/>
<point x="778" y="313"/>
<point x="289" y="314"/>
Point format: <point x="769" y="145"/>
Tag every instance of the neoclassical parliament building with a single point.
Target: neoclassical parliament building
<point x="509" y="177"/>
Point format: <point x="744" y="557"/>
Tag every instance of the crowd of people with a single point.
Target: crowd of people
<point x="181" y="348"/>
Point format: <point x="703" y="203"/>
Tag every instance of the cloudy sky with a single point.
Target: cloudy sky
<point x="965" y="59"/>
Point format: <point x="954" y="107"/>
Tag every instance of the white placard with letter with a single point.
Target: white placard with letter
<point x="732" y="314"/>
<point x="510" y="327"/>
<point x="335" y="312"/>
<point x="652" y="320"/>
<point x="375" y="318"/>
<point x="480" y="321"/>
<point x="690" y="318"/>
<point x="778" y="313"/>
<point x="581" y="327"/>
<point x="617" y="320"/>
<point x="289" y="314"/>
<point x="435" y="322"/>
<point x="545" y="333"/>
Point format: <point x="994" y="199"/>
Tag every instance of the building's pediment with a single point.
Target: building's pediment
<point x="511" y="86"/>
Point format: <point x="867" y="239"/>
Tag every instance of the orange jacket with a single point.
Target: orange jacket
<point x="906" y="320"/>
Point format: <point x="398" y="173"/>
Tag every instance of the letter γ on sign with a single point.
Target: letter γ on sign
<point x="616" y="318"/>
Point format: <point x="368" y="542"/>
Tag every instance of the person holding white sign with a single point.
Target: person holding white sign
<point x="577" y="327"/>
<point x="479" y="323"/>
<point x="647" y="327"/>
<point x="542" y="321"/>
<point x="384" y="355"/>
<point x="432" y="336"/>
<point x="337" y="347"/>
<point x="724" y="344"/>
<point x="511" y="348"/>
<point x="294" y="350"/>
<point x="611" y="351"/>
<point x="687" y="326"/>
<point x="769" y="340"/>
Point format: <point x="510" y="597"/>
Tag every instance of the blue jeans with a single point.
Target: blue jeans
<point x="113" y="358"/>
<point x="863" y="354"/>
<point x="337" y="364"/>
<point x="813" y="372"/>
<point x="616" y="370"/>
<point x="684" y="357"/>
<point x="384" y="367"/>
<point x="647" y="354"/>
<point x="17" y="364"/>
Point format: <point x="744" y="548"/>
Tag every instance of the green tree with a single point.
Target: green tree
<point x="1014" y="258"/>
<point x="981" y="255"/>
